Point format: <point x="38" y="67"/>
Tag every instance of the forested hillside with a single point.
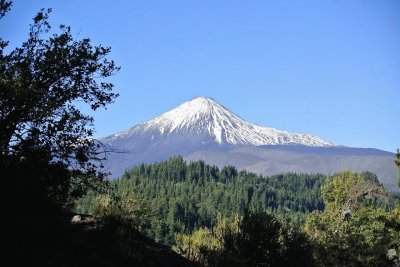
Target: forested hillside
<point x="184" y="196"/>
<point x="194" y="207"/>
<point x="67" y="213"/>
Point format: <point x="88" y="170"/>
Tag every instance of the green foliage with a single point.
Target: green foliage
<point x="345" y="190"/>
<point x="200" y="245"/>
<point x="205" y="246"/>
<point x="256" y="239"/>
<point x="123" y="208"/>
<point x="191" y="245"/>
<point x="185" y="197"/>
<point x="356" y="234"/>
<point x="363" y="240"/>
<point x="264" y="240"/>
<point x="211" y="215"/>
<point x="45" y="140"/>
<point x="393" y="224"/>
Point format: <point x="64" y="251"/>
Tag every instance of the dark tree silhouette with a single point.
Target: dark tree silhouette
<point x="263" y="240"/>
<point x="4" y="7"/>
<point x="45" y="140"/>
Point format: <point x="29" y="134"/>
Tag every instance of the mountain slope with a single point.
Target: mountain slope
<point x="205" y="117"/>
<point x="203" y="129"/>
<point x="270" y="160"/>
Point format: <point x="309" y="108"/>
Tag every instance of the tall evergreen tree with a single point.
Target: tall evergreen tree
<point x="185" y="197"/>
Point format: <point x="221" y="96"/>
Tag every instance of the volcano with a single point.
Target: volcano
<point x="203" y="129"/>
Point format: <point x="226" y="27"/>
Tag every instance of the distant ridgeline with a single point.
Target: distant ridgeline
<point x="181" y="197"/>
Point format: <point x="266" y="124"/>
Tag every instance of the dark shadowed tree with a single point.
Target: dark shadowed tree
<point x="263" y="240"/>
<point x="4" y="7"/>
<point x="256" y="239"/>
<point x="46" y="143"/>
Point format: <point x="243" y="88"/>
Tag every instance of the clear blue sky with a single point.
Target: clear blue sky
<point x="328" y="68"/>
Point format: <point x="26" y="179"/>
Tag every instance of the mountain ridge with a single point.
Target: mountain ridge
<point x="205" y="116"/>
<point x="202" y="129"/>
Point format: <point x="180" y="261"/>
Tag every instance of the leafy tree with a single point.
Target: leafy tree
<point x="345" y="190"/>
<point x="187" y="196"/>
<point x="352" y="230"/>
<point x="45" y="140"/>
<point x="123" y="209"/>
<point x="204" y="244"/>
<point x="256" y="239"/>
<point x="195" y="246"/>
<point x="263" y="240"/>
<point x="4" y="7"/>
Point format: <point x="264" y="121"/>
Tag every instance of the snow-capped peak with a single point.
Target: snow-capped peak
<point x="202" y="116"/>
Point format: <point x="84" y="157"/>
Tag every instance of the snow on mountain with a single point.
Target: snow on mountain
<point x="202" y="129"/>
<point x="203" y="116"/>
